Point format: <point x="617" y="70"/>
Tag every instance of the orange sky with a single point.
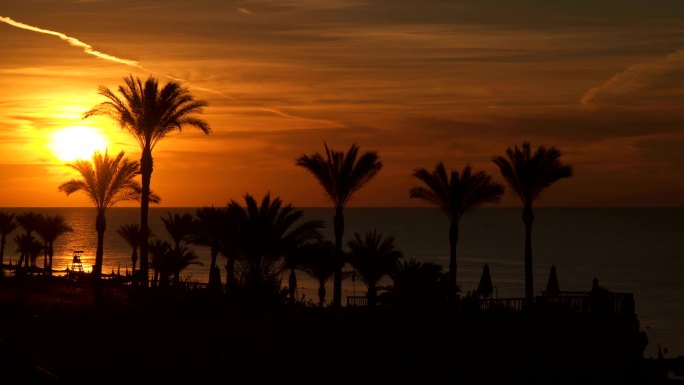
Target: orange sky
<point x="418" y="81"/>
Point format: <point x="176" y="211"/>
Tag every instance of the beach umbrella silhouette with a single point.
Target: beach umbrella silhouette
<point x="485" y="287"/>
<point x="552" y="287"/>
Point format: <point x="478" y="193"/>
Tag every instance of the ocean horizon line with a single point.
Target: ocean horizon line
<point x="358" y="207"/>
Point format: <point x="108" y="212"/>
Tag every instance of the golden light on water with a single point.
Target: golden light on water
<point x="77" y="142"/>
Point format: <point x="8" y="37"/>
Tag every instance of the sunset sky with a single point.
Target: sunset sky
<point x="457" y="81"/>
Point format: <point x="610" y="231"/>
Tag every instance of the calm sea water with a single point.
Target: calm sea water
<point x="628" y="250"/>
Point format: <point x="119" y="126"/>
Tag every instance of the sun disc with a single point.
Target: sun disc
<point x="77" y="142"/>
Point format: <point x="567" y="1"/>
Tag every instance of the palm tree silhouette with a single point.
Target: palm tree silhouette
<point x="418" y="283"/>
<point x="208" y="231"/>
<point x="160" y="251"/>
<point x="29" y="222"/>
<point x="130" y="233"/>
<point x="149" y="114"/>
<point x="7" y="225"/>
<point x="373" y="258"/>
<point x="341" y="175"/>
<point x="455" y="194"/>
<point x="267" y="231"/>
<point x="233" y="217"/>
<point x="28" y="247"/>
<point x="528" y="175"/>
<point x="50" y="228"/>
<point x="294" y="253"/>
<point x="179" y="227"/>
<point x="319" y="261"/>
<point x="106" y="181"/>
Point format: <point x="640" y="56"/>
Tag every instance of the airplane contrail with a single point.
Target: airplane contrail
<point x="87" y="48"/>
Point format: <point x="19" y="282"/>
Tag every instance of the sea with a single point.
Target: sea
<point x="634" y="250"/>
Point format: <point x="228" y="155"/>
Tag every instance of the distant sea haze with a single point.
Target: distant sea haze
<point x="639" y="250"/>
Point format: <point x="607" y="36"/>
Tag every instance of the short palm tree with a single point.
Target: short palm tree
<point x="106" y="181"/>
<point x="341" y="175"/>
<point x="418" y="283"/>
<point x="267" y="232"/>
<point x="528" y="175"/>
<point x="233" y="219"/>
<point x="130" y="233"/>
<point x="29" y="222"/>
<point x="149" y="114"/>
<point x="161" y="259"/>
<point x="455" y="194"/>
<point x="179" y="227"/>
<point x="7" y="225"/>
<point x="318" y="260"/>
<point x="51" y="228"/>
<point x="373" y="258"/>
<point x="208" y="230"/>
<point x="28" y="247"/>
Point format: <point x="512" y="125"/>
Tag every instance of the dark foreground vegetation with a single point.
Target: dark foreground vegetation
<point x="55" y="331"/>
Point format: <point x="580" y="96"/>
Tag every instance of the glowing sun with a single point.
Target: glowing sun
<point x="78" y="142"/>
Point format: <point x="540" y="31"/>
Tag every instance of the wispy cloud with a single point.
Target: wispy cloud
<point x="636" y="78"/>
<point x="87" y="48"/>
<point x="244" y="11"/>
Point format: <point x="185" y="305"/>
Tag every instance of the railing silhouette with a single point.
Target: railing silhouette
<point x="581" y="302"/>
<point x="357" y="300"/>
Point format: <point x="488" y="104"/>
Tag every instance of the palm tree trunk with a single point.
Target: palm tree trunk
<point x="2" y="255"/>
<point x="372" y="294"/>
<point x="27" y="256"/>
<point x="134" y="259"/>
<point x="338" y="225"/>
<point x="292" y="285"/>
<point x="100" y="227"/>
<point x="321" y="294"/>
<point x="528" y="218"/>
<point x="45" y="257"/>
<point x="453" y="242"/>
<point x="214" y="255"/>
<point x="146" y="173"/>
<point x="230" y="273"/>
<point x="51" y="253"/>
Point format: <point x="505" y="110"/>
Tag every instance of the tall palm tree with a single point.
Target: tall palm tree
<point x="528" y="175"/>
<point x="51" y="228"/>
<point x="149" y="114"/>
<point x="106" y="181"/>
<point x="341" y="175"/>
<point x="29" y="222"/>
<point x="319" y="261"/>
<point x="455" y="194"/>
<point x="7" y="225"/>
<point x="373" y="258"/>
<point x="130" y="233"/>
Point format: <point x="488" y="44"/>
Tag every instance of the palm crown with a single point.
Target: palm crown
<point x="340" y="174"/>
<point x="454" y="193"/>
<point x="529" y="174"/>
<point x="106" y="180"/>
<point x="150" y="113"/>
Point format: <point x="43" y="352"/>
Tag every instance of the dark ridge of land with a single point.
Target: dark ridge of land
<point x="171" y="337"/>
